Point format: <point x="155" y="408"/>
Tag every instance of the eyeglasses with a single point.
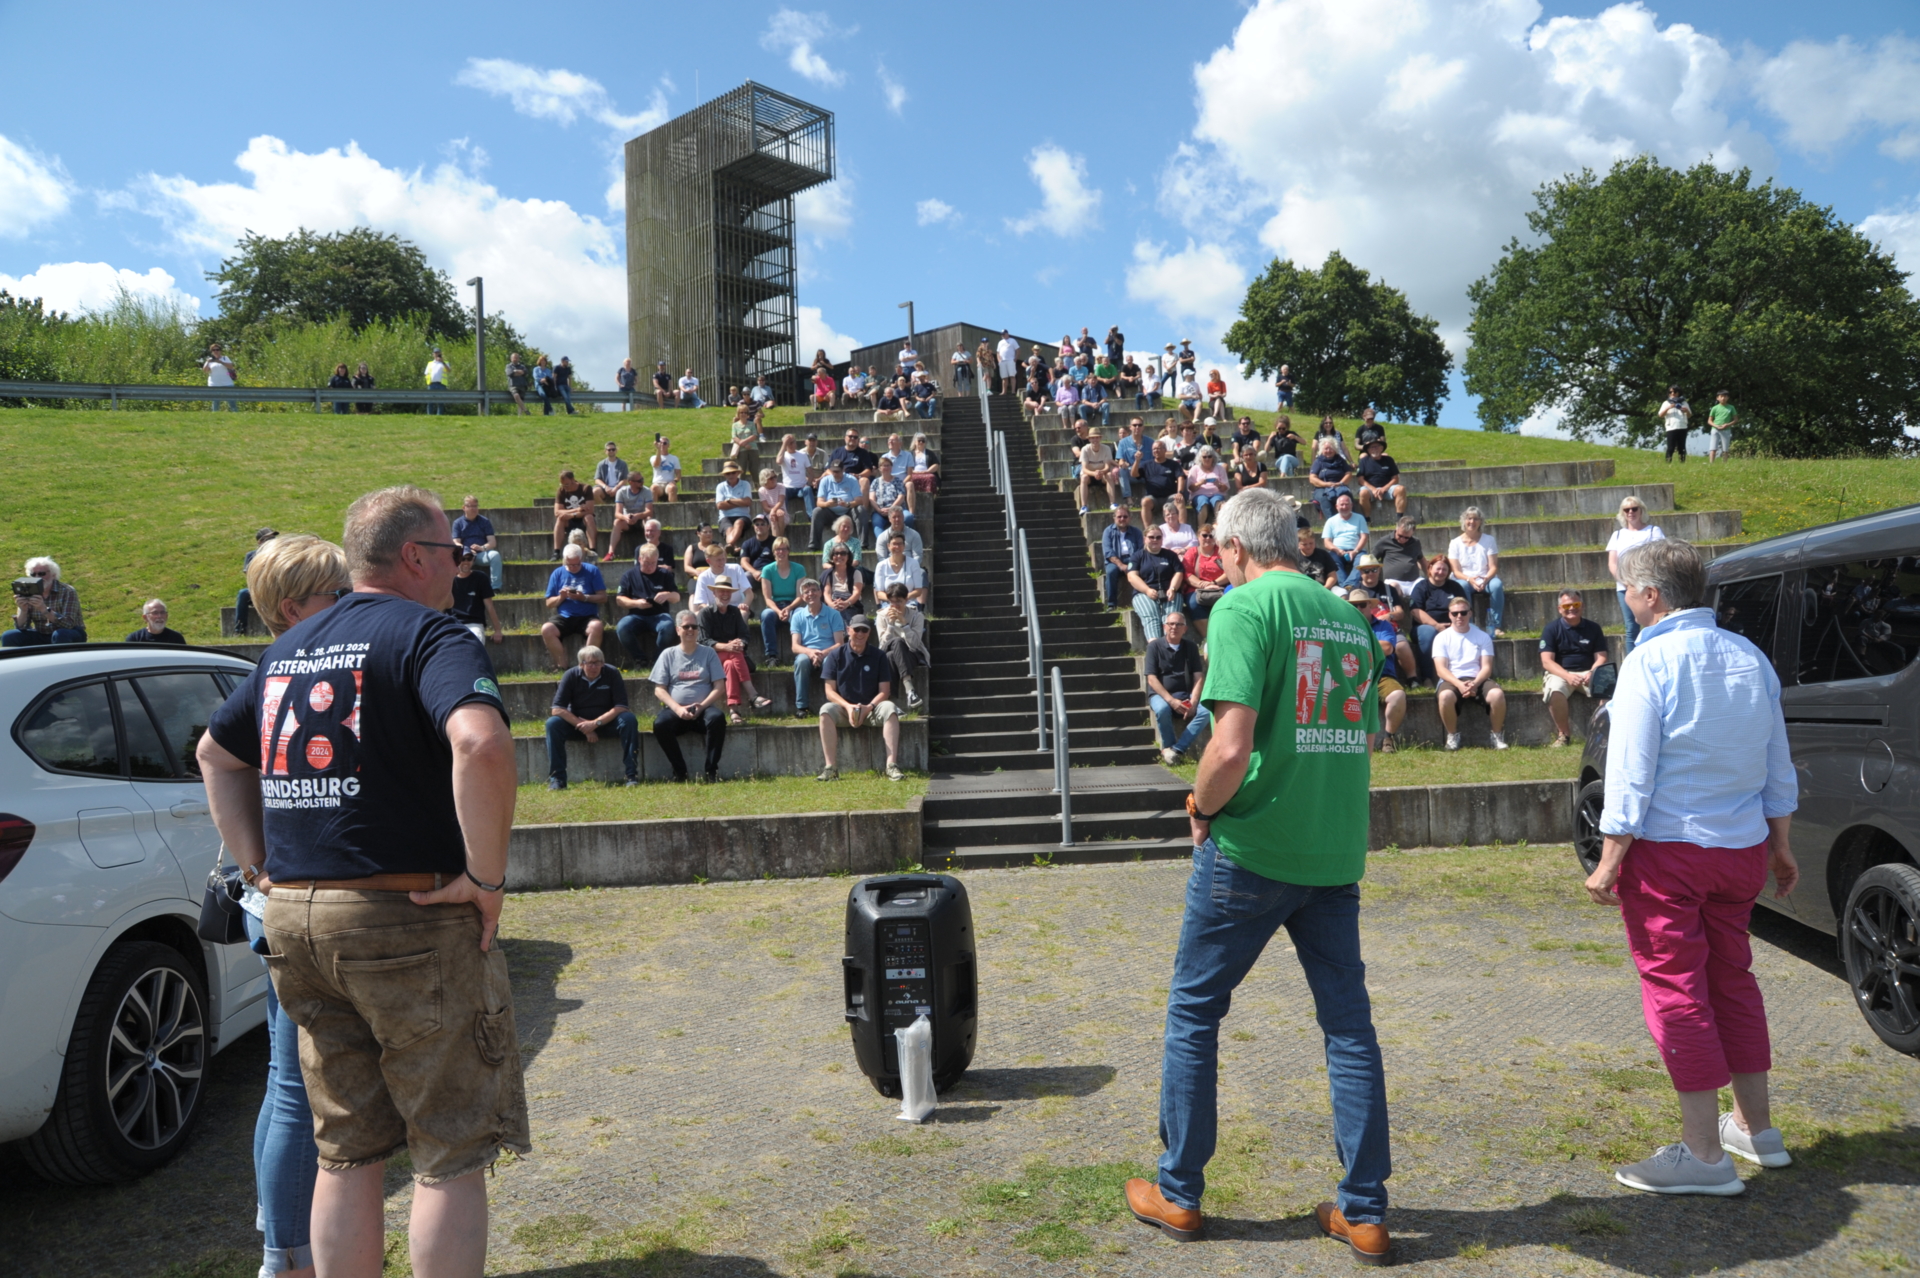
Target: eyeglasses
<point x="335" y="595"/>
<point x="452" y="546"/>
<point x="689" y="626"/>
<point x="1571" y="607"/>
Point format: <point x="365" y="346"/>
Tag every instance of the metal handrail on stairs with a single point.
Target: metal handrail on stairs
<point x="1029" y="603"/>
<point x="1062" y="761"/>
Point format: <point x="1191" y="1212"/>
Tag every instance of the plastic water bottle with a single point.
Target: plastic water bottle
<point x="915" y="1044"/>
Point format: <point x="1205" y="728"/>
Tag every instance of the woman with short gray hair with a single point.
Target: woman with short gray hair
<point x="1700" y="792"/>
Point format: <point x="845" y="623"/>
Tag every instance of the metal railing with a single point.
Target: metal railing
<point x="320" y="397"/>
<point x="1029" y="602"/>
<point x="1062" y="761"/>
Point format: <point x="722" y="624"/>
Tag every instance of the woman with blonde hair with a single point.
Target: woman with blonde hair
<point x="1634" y="530"/>
<point x="1474" y="557"/>
<point x="292" y="578"/>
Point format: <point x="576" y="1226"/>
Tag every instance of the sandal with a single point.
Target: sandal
<point x="763" y="703"/>
<point x="737" y="719"/>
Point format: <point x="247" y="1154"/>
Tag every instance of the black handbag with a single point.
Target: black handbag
<point x="222" y="921"/>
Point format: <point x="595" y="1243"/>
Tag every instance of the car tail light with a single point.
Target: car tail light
<point x="15" y="834"/>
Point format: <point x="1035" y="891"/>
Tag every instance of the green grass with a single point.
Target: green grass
<point x="1426" y="765"/>
<point x="758" y="796"/>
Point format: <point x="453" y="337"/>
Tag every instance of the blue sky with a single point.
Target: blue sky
<point x="1142" y="182"/>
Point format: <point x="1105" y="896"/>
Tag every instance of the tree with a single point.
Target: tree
<point x="1651" y="277"/>
<point x="309" y="278"/>
<point x="1349" y="341"/>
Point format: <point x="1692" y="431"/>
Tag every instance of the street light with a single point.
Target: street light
<point x="480" y="339"/>
<point x="908" y="307"/>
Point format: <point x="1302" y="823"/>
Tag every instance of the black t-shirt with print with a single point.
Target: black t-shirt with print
<point x="1432" y="599"/>
<point x="1575" y="646"/>
<point x="1156" y="567"/>
<point x="635" y="584"/>
<point x="470" y="595"/>
<point x="345" y="716"/>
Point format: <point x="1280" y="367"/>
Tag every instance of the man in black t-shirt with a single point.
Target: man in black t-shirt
<point x="662" y="384"/>
<point x="1427" y="609"/>
<point x="1314" y="560"/>
<point x="1401" y="561"/>
<point x="1571" y="649"/>
<point x="1175" y="673"/>
<point x="1379" y="478"/>
<point x="756" y="550"/>
<point x="859" y="681"/>
<point x="1156" y="477"/>
<point x="651" y="597"/>
<point x="331" y="774"/>
<point x="858" y="460"/>
<point x="473" y="600"/>
<point x="591" y="696"/>
<point x="156" y="630"/>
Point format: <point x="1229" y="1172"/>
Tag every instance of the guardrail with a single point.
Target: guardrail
<point x="1062" y="761"/>
<point x="321" y="397"/>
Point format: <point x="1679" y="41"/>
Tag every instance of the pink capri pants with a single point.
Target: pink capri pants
<point x="1686" y="909"/>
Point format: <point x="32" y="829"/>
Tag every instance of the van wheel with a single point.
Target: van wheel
<point x="131" y="1088"/>
<point x="1880" y="942"/>
<point x="1587" y="805"/>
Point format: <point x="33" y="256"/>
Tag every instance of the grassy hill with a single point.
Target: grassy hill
<point x="135" y="505"/>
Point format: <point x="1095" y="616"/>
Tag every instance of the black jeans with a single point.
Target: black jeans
<point x="1677" y="443"/>
<point x="669" y="727"/>
<point x="824" y="518"/>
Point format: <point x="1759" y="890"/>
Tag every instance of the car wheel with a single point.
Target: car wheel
<point x="1587" y="804"/>
<point x="1880" y="943"/>
<point x="130" y="1091"/>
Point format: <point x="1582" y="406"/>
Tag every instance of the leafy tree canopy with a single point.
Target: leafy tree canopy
<point x="310" y="278"/>
<point x="1651" y="277"/>
<point x="1348" y="341"/>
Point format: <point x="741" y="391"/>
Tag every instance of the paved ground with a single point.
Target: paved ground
<point x="696" y="1108"/>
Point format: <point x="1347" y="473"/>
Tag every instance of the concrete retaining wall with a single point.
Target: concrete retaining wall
<point x="759" y="749"/>
<point x="639" y="853"/>
<point x="1450" y="815"/>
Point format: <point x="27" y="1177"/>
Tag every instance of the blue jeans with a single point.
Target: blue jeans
<point x="546" y="401"/>
<point x="1116" y="582"/>
<point x="1423" y="637"/>
<point x="433" y="410"/>
<point x="1626" y="619"/>
<point x="242" y="610"/>
<point x="805" y="671"/>
<point x="770" y="628"/>
<point x="559" y="732"/>
<point x="233" y="406"/>
<point x="1287" y="464"/>
<point x="490" y="560"/>
<point x="566" y="393"/>
<point x="1325" y="498"/>
<point x="880" y="525"/>
<point x="645" y="637"/>
<point x="1201" y="505"/>
<point x="1171" y="735"/>
<point x="1496" y="593"/>
<point x="1349" y="574"/>
<point x="285" y="1160"/>
<point x="40" y="638"/>
<point x="803" y="495"/>
<point x="924" y="407"/>
<point x="1231" y="913"/>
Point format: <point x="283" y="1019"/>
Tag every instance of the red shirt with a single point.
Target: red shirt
<point x="1201" y="567"/>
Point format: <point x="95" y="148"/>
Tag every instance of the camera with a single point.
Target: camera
<point x="29" y="587"/>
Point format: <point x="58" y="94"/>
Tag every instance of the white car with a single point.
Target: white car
<point x="110" y="1004"/>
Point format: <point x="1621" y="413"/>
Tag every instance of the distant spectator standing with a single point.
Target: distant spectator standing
<point x="690" y="391"/>
<point x="1007" y="352"/>
<point x="436" y="374"/>
<point x="627" y="379"/>
<point x="651" y="598"/>
<point x="1634" y="530"/>
<point x="519" y="382"/>
<point x="243" y="602"/>
<point x="1572" y="648"/>
<point x="340" y="381"/>
<point x="859" y="682"/>
<point x="543" y="382"/>
<point x="1721" y="419"/>
<point x="591" y="697"/>
<point x="1675" y="416"/>
<point x="218" y="366"/>
<point x="473" y="600"/>
<point x="363" y="380"/>
<point x="688" y="682"/>
<point x="154" y="614"/>
<point x="575" y="591"/>
<point x="962" y="370"/>
<point x="1284" y="386"/>
<point x="1175" y="673"/>
<point x="1463" y="660"/>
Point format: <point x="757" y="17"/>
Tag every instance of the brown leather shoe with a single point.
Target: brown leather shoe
<point x="1149" y="1208"/>
<point x="1370" y="1243"/>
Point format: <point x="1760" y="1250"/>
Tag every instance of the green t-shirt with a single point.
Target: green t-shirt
<point x="1306" y="661"/>
<point x="1721" y="414"/>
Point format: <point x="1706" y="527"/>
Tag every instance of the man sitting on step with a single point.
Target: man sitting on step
<point x="1175" y="672"/>
<point x="591" y="697"/>
<point x="817" y="630"/>
<point x="1120" y="544"/>
<point x="859" y="680"/>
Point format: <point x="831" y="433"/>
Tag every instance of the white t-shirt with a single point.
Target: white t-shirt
<point x="1178" y="539"/>
<point x="1462" y="653"/>
<point x="666" y="470"/>
<point x="688" y="385"/>
<point x="793" y="469"/>
<point x="1008" y="350"/>
<point x="218" y="374"/>
<point x="1189" y="389"/>
<point x="1475" y="557"/>
<point x="436" y="372"/>
<point x="908" y="356"/>
<point x="1625" y="539"/>
<point x="1675" y="410"/>
<point x="855" y="383"/>
<point x="703" y="587"/>
<point x="909" y="571"/>
<point x="961" y="357"/>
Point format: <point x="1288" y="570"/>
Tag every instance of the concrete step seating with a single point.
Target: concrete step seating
<point x="821" y="418"/>
<point x="763" y="748"/>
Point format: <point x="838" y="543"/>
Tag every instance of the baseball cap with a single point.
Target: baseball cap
<point x="858" y="621"/>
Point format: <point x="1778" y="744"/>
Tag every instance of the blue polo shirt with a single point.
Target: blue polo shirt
<point x="817" y="631"/>
<point x="846" y="488"/>
<point x="588" y="581"/>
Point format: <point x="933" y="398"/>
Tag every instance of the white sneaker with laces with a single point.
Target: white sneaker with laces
<point x="1768" y="1148"/>
<point x="1453" y="741"/>
<point x="1674" y="1170"/>
<point x="1499" y="742"/>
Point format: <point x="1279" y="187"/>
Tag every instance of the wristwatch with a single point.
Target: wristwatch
<point x="248" y="873"/>
<point x="1193" y="810"/>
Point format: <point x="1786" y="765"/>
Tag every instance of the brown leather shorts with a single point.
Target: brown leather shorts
<point x="407" y="1029"/>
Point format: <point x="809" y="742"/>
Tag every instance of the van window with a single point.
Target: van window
<point x="72" y="731"/>
<point x="1751" y="609"/>
<point x="1860" y="620"/>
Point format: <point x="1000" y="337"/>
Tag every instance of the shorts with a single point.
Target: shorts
<point x="1388" y="684"/>
<point x="1722" y="441"/>
<point x="575" y="520"/>
<point x="1554" y="683"/>
<point x="1479" y="693"/>
<point x="407" y="1036"/>
<point x="1006" y="369"/>
<point x="572" y="625"/>
<point x="924" y="481"/>
<point x="882" y="712"/>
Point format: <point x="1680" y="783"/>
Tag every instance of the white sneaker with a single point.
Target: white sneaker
<point x="1169" y="756"/>
<point x="1674" y="1170"/>
<point x="1768" y="1148"/>
<point x="1453" y="741"/>
<point x="1499" y="742"/>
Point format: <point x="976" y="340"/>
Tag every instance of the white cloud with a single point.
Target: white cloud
<point x="816" y="334"/>
<point x="930" y="212"/>
<point x="797" y="33"/>
<point x="894" y="91"/>
<point x="556" y="273"/>
<point x="1202" y="282"/>
<point x="1067" y="205"/>
<point x="1423" y="183"/>
<point x="1824" y="93"/>
<point x="1898" y="232"/>
<point x="558" y="94"/>
<point x="90" y="286"/>
<point x="33" y="188"/>
<point x="825" y="212"/>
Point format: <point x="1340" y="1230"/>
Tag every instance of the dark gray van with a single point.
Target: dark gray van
<point x="1837" y="608"/>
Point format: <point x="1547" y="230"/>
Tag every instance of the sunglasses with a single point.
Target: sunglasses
<point x="689" y="626"/>
<point x="454" y="547"/>
<point x="1571" y="607"/>
<point x="1459" y="614"/>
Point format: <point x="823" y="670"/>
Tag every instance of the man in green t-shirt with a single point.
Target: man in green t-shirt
<point x="1279" y="815"/>
<point x="1721" y="419"/>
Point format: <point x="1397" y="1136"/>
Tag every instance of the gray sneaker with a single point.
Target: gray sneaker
<point x="828" y="774"/>
<point x="1768" y="1148"/>
<point x="1674" y="1170"/>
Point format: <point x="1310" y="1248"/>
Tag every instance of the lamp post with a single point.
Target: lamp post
<point x="908" y="307"/>
<point x="480" y="339"/>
